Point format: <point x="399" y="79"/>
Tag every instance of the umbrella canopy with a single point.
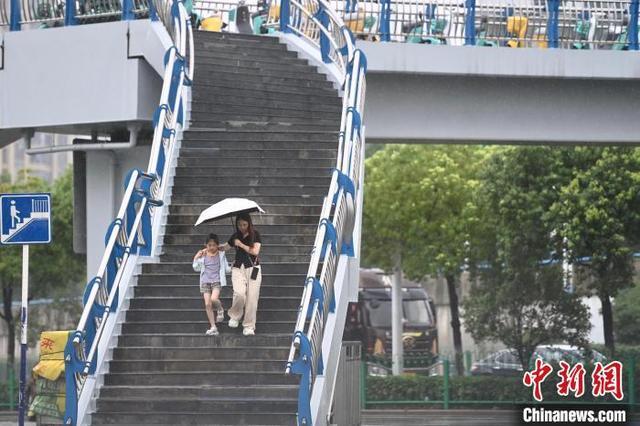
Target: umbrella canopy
<point x="227" y="208"/>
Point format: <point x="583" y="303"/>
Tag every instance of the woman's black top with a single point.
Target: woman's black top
<point x="242" y="257"/>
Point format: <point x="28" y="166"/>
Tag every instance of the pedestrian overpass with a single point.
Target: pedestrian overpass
<point x="167" y="110"/>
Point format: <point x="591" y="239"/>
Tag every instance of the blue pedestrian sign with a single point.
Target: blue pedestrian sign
<point x="25" y="219"/>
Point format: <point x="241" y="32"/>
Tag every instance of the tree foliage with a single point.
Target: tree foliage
<point x="419" y="203"/>
<point x="598" y="212"/>
<point x="419" y="206"/>
<point x="519" y="298"/>
<point x="627" y="316"/>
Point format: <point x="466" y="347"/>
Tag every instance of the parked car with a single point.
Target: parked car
<point x="369" y="320"/>
<point x="506" y="362"/>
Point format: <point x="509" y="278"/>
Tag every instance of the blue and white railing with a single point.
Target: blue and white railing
<point x="316" y="341"/>
<point x="135" y="231"/>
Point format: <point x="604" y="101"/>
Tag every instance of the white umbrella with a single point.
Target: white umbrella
<point x="227" y="208"/>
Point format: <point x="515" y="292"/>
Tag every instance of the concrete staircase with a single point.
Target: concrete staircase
<point x="264" y="125"/>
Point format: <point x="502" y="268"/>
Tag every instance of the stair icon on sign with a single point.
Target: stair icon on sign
<point x="39" y="212"/>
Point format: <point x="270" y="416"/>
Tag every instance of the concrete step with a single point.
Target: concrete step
<point x="257" y="171"/>
<point x="192" y="378"/>
<point x="190" y="418"/>
<point x="258" y="219"/>
<point x="191" y="327"/>
<point x="296" y="199"/>
<point x="263" y="315"/>
<point x="267" y="258"/>
<point x="214" y="55"/>
<point x="277" y="88"/>
<point x="239" y="150"/>
<point x="269" y="100"/>
<point x="214" y="364"/>
<point x="226" y="123"/>
<point x="266" y="239"/>
<point x="245" y="59"/>
<point x="269" y="278"/>
<point x="202" y="36"/>
<point x="248" y="45"/>
<point x="274" y="249"/>
<point x="258" y="68"/>
<point x="189" y="217"/>
<point x="247" y="161"/>
<point x="266" y="44"/>
<point x="241" y="136"/>
<point x="288" y="210"/>
<point x="211" y="405"/>
<point x="242" y="59"/>
<point x="224" y="81"/>
<point x="330" y="143"/>
<point x="248" y="191"/>
<point x="208" y="112"/>
<point x="194" y="290"/>
<point x="233" y="85"/>
<point x="197" y="392"/>
<point x="269" y="119"/>
<point x="195" y="302"/>
<point x="224" y="230"/>
<point x="226" y="340"/>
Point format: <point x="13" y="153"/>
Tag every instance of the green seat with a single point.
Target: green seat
<point x="369" y="22"/>
<point x="415" y="35"/>
<point x="481" y="40"/>
<point x="582" y="33"/>
<point x="257" y="23"/>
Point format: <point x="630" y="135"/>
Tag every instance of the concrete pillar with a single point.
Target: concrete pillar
<point x="100" y="197"/>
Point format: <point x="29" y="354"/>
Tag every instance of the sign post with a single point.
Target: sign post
<point x="23" y="333"/>
<point x="24" y="219"/>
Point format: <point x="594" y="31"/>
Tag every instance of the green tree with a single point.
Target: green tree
<point x="419" y="207"/>
<point x="626" y="316"/>
<point x="598" y="212"/>
<point x="54" y="269"/>
<point x="519" y="299"/>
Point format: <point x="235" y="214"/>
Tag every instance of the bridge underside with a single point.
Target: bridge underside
<point x="444" y="94"/>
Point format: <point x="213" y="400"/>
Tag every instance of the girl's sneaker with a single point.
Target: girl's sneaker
<point x="248" y="331"/>
<point x="220" y="317"/>
<point x="233" y="323"/>
<point x="213" y="331"/>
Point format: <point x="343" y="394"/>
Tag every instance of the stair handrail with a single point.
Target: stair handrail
<point x="316" y="22"/>
<point x="131" y="234"/>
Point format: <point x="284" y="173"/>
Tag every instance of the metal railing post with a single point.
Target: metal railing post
<point x="14" y="24"/>
<point x="153" y="12"/>
<point x="445" y="395"/>
<point x="632" y="29"/>
<point x="70" y="13"/>
<point x="285" y="11"/>
<point x="363" y="381"/>
<point x="552" y="23"/>
<point x="468" y="362"/>
<point x="127" y="10"/>
<point x="631" y="368"/>
<point x="385" y="20"/>
<point x="12" y="389"/>
<point x="325" y="44"/>
<point x="470" y="23"/>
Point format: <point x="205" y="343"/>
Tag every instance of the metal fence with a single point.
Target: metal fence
<point x="8" y="387"/>
<point x="568" y="24"/>
<point x="580" y="25"/>
<point x="441" y="388"/>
